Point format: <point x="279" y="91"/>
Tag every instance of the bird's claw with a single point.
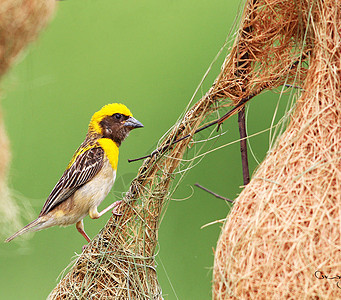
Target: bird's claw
<point x="114" y="211"/>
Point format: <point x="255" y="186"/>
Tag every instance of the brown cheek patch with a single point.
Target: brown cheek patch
<point x="113" y="129"/>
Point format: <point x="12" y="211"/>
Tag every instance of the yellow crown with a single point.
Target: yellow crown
<point x="107" y="110"/>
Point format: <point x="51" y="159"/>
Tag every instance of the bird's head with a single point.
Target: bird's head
<point x="113" y="121"/>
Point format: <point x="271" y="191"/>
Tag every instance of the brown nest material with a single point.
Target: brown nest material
<point x="20" y="23"/>
<point x="282" y="239"/>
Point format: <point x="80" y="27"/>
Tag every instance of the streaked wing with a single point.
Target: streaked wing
<point x="82" y="170"/>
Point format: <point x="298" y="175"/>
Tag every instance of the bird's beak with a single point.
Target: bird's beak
<point x="133" y="123"/>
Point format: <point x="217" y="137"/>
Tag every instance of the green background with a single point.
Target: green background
<point x="150" y="55"/>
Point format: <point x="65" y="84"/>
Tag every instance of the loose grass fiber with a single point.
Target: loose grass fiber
<point x="20" y="23"/>
<point x="282" y="239"/>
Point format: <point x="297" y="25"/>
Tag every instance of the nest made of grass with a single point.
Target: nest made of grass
<point x="282" y="239"/>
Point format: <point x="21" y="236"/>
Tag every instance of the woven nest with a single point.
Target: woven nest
<point x="20" y="23"/>
<point x="286" y="223"/>
<point x="282" y="239"/>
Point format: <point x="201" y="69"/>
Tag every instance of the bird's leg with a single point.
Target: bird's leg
<point x="94" y="214"/>
<point x="80" y="228"/>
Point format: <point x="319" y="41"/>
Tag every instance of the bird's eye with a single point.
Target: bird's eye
<point x="117" y="116"/>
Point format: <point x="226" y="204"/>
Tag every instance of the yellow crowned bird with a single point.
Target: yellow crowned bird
<point x="90" y="174"/>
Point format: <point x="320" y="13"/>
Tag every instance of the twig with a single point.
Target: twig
<point x="243" y="146"/>
<point x="213" y="193"/>
<point x="293" y="86"/>
<point x="243" y="71"/>
<point x="164" y="148"/>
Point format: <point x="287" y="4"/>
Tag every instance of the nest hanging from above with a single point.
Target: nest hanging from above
<point x="282" y="239"/>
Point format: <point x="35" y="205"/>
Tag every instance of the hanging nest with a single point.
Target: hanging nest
<point x="282" y="239"/>
<point x="20" y="23"/>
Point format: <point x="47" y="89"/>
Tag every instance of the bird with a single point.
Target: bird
<point x="90" y="174"/>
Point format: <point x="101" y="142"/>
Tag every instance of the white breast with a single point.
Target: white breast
<point x="93" y="193"/>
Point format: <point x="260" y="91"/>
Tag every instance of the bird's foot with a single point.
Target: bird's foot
<point x="114" y="211"/>
<point x="84" y="247"/>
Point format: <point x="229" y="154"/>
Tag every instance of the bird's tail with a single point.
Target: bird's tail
<point x="33" y="226"/>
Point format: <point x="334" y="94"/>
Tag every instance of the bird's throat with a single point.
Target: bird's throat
<point x="111" y="151"/>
